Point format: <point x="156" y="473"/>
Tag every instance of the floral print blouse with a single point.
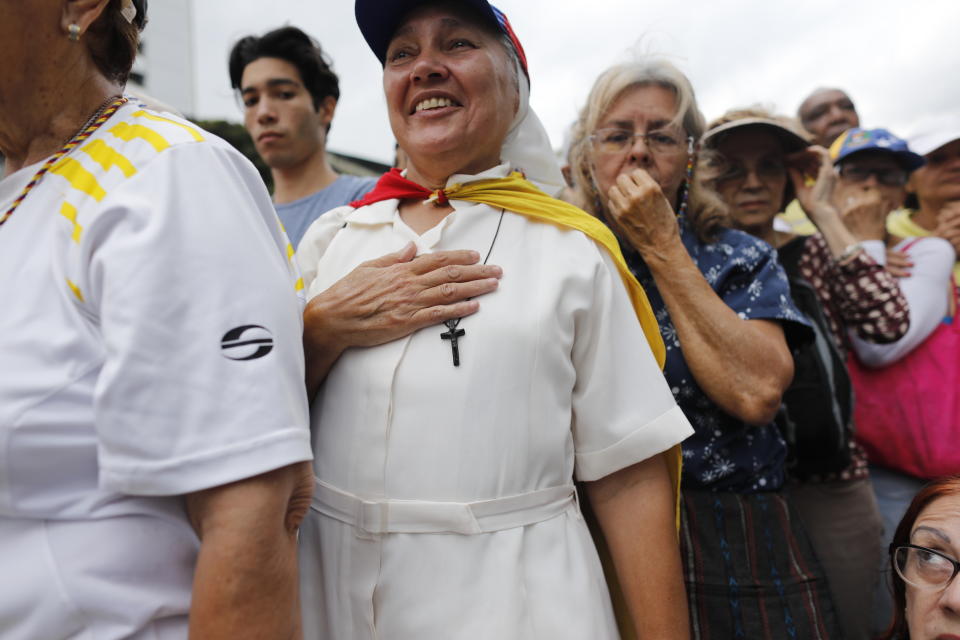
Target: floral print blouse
<point x="725" y="454"/>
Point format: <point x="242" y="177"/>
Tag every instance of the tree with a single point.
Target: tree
<point x="238" y="137"/>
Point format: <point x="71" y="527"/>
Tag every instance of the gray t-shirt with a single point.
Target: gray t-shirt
<point x="298" y="215"/>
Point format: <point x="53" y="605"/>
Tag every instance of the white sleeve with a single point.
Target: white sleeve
<point x="190" y="288"/>
<point x="623" y="411"/>
<point x="876" y="249"/>
<point x="317" y="238"/>
<point x="927" y="291"/>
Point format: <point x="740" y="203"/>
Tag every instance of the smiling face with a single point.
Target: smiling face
<point x="451" y="91"/>
<point x="755" y="179"/>
<point x="934" y="614"/>
<point x="279" y="114"/>
<point x="648" y="109"/>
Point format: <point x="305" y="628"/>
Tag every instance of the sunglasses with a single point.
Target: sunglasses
<point x="889" y="176"/>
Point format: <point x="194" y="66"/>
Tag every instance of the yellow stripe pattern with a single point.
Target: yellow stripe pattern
<point x="79" y="178"/>
<point x="128" y="132"/>
<point x="150" y="116"/>
<point x="69" y="212"/>
<point x="75" y="289"/>
<point x="108" y="157"/>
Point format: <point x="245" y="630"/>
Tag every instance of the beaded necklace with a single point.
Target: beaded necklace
<point x="102" y="114"/>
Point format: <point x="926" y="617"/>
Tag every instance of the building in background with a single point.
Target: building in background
<point x="166" y="69"/>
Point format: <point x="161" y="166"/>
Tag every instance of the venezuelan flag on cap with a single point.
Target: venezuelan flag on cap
<point x="856" y="140"/>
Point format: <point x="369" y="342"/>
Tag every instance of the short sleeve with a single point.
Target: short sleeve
<point x="189" y="285"/>
<point x="751" y="281"/>
<point x="623" y="411"/>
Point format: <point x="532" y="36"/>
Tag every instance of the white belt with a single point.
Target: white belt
<point x="421" y="516"/>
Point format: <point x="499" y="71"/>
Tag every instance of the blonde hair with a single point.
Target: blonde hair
<point x="705" y="211"/>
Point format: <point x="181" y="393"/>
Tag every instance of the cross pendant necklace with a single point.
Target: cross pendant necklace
<point x="452" y="335"/>
<point x="453" y="332"/>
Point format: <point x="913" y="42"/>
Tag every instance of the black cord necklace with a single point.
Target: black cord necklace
<point x="453" y="333"/>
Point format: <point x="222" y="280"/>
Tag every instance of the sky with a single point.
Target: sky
<point x="900" y="62"/>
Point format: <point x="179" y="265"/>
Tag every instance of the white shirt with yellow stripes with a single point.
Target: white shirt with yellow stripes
<point x="150" y="346"/>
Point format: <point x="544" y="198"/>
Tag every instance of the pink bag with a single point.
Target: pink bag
<point x="907" y="415"/>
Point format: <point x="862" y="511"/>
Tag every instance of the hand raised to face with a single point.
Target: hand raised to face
<point x="948" y="224"/>
<point x="864" y="213"/>
<point x="641" y="214"/>
<point x="814" y="181"/>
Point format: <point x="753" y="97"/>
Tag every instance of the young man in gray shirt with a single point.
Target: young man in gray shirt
<point x="289" y="93"/>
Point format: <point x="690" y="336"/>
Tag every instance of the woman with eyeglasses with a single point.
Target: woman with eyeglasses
<point x="924" y="554"/>
<point x="845" y="293"/>
<point x="725" y="313"/>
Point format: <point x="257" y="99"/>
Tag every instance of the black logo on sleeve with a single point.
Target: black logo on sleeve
<point x="249" y="342"/>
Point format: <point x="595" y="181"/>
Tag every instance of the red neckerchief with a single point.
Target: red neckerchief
<point x="392" y="185"/>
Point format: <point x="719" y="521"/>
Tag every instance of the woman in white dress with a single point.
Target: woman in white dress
<point x="445" y="460"/>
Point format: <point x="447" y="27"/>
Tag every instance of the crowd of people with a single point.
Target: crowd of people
<point x="690" y="379"/>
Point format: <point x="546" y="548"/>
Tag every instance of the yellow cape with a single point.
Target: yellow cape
<point x="517" y="194"/>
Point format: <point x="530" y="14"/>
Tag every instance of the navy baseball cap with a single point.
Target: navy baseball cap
<point x="856" y="140"/>
<point x="379" y="19"/>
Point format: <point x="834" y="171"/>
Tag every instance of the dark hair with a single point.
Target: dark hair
<point x="946" y="486"/>
<point x="297" y="48"/>
<point x="113" y="41"/>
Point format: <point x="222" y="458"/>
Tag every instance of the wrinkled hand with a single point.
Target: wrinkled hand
<point x="394" y="295"/>
<point x="864" y="213"/>
<point x="948" y="224"/>
<point x="641" y="214"/>
<point x="814" y="182"/>
<point x="898" y="263"/>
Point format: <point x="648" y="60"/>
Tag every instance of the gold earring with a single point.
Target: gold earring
<point x="73" y="32"/>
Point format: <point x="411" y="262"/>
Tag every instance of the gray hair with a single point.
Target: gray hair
<point x="705" y="211"/>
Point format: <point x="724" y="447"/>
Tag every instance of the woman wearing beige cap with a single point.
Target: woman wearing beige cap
<point x="846" y="294"/>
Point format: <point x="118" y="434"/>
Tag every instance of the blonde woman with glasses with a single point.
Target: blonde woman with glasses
<point x="725" y="313"/>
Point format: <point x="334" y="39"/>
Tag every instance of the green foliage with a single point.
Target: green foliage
<point x="237" y="136"/>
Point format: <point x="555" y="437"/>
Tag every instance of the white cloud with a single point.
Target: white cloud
<point x="897" y="60"/>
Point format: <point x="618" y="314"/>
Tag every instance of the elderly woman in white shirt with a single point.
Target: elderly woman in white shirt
<point x="446" y="459"/>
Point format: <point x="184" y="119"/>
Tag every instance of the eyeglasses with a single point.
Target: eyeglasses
<point x="764" y="169"/>
<point x="890" y="176"/>
<point x="619" y="140"/>
<point x="924" y="568"/>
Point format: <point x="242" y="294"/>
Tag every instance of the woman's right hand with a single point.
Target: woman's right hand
<point x="389" y="298"/>
<point x="642" y="215"/>
<point x="865" y="214"/>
